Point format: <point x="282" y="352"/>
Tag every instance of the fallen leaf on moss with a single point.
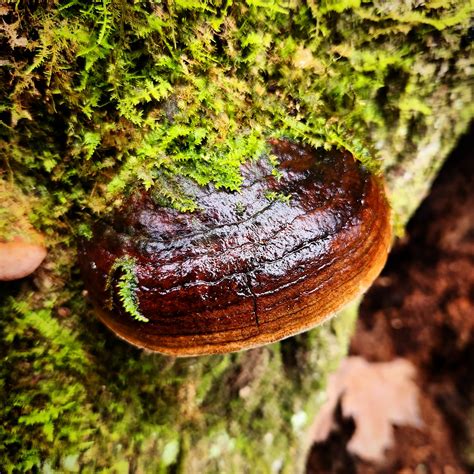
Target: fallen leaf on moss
<point x="376" y="396"/>
<point x="19" y="258"/>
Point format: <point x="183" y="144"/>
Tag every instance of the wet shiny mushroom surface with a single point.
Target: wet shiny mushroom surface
<point x="247" y="268"/>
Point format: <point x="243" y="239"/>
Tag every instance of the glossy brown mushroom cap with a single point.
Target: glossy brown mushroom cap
<point x="247" y="268"/>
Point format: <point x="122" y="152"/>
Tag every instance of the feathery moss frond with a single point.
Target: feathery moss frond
<point x="126" y="283"/>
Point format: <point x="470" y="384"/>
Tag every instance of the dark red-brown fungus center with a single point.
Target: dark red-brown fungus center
<point x="248" y="267"/>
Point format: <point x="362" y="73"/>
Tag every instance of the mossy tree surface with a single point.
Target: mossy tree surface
<point x="99" y="98"/>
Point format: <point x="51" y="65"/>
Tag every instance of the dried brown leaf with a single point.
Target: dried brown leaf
<point x="376" y="396"/>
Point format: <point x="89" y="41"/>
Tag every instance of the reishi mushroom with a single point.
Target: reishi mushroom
<point x="247" y="268"/>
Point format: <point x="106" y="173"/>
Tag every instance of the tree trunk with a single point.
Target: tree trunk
<point x="78" y="111"/>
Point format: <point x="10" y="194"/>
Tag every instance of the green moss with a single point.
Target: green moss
<point x="15" y="213"/>
<point x="98" y="98"/>
<point x="280" y="197"/>
<point x="126" y="284"/>
<point x="146" y="99"/>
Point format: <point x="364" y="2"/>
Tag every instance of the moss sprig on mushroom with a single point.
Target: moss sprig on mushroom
<point x="122" y="275"/>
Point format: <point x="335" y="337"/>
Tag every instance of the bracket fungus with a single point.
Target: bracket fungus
<point x="247" y="268"/>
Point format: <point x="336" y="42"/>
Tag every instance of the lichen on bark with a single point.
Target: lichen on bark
<point x="100" y="97"/>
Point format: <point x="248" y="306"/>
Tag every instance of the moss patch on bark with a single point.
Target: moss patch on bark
<point x="99" y="98"/>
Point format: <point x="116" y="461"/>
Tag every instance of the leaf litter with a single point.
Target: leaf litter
<point x="377" y="396"/>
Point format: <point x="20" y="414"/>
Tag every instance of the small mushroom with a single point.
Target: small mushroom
<point x="19" y="258"/>
<point x="247" y="268"/>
